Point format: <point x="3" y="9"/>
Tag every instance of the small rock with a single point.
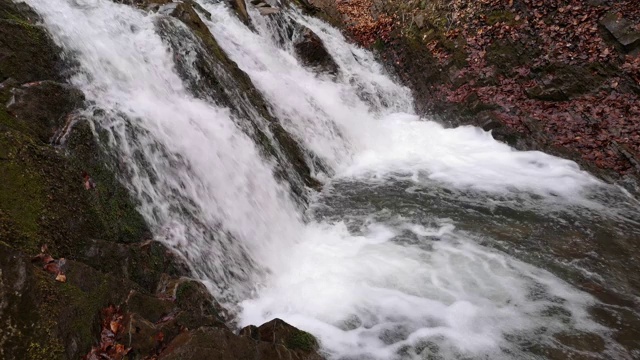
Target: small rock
<point x="624" y="31"/>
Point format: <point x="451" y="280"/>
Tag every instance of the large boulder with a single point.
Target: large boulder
<point x="312" y="52"/>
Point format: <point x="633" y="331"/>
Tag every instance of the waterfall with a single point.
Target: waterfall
<point x="373" y="266"/>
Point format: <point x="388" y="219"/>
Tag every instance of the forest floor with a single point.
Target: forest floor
<point x="558" y="76"/>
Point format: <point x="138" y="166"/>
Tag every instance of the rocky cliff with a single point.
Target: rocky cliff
<point x="80" y="275"/>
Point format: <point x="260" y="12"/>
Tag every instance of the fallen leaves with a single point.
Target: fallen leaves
<point x="50" y="264"/>
<point x="111" y="330"/>
<point x="597" y="122"/>
<point x="362" y="24"/>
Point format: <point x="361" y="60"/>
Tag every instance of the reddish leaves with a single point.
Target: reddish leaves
<point x="112" y="328"/>
<point x="364" y="27"/>
<point x="50" y="264"/>
<point x="597" y="124"/>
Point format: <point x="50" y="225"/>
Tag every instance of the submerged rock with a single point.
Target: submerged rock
<point x="312" y="52"/>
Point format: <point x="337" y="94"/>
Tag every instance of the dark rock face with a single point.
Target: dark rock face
<point x="26" y="53"/>
<point x="312" y="53"/>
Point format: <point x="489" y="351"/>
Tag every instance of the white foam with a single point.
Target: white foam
<point x="369" y="295"/>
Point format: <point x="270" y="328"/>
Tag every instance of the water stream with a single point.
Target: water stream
<point x="424" y="242"/>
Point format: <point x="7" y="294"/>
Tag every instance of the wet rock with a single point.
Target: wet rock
<point x="582" y="341"/>
<point x="213" y="343"/>
<point x="193" y="297"/>
<point x="623" y="30"/>
<point x="240" y="8"/>
<point x="43" y="106"/>
<point x="143" y="335"/>
<point x="149" y="307"/>
<point x="312" y="52"/>
<point x="306" y="5"/>
<point x="278" y="332"/>
<point x="222" y="79"/>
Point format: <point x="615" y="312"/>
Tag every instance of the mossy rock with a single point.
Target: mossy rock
<point x="279" y="332"/>
<point x="302" y="340"/>
<point x="213" y="343"/>
<point x="27" y="52"/>
<point x="43" y="107"/>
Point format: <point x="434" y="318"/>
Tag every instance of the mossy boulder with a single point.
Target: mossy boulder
<point x="279" y="332"/>
<point x="44" y="106"/>
<point x="214" y="343"/>
<point x="47" y="319"/>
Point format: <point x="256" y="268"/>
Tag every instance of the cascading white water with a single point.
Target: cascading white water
<point x="197" y="175"/>
<point x="208" y="193"/>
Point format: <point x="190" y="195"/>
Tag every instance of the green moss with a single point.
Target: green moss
<point x="302" y="340"/>
<point x="185" y="290"/>
<point x="378" y="45"/>
<point x="498" y="16"/>
<point x="31" y="30"/>
<point x="22" y="193"/>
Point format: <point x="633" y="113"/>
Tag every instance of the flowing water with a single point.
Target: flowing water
<point x="424" y="242"/>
